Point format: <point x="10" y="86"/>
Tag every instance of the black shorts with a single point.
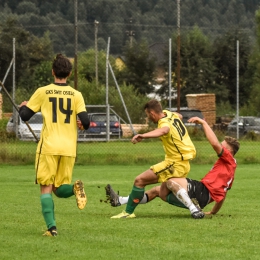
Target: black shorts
<point x="197" y="190"/>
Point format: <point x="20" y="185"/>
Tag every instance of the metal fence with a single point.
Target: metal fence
<point x="128" y="27"/>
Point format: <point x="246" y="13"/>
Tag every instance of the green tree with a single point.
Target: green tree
<point x="30" y="51"/>
<point x="87" y="66"/>
<point x="225" y="58"/>
<point x="133" y="100"/>
<point x="27" y="7"/>
<point x="140" y="67"/>
<point x="253" y="107"/>
<point x="197" y="68"/>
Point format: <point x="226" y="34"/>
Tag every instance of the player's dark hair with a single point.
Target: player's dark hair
<point x="61" y="66"/>
<point x="233" y="142"/>
<point x="154" y="105"/>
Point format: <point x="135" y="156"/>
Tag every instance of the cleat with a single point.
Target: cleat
<point x="51" y="232"/>
<point x="80" y="194"/>
<point x="124" y="215"/>
<point x="198" y="214"/>
<point x="112" y="196"/>
<point x="107" y="188"/>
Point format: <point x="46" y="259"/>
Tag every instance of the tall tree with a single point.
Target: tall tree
<point x="87" y="68"/>
<point x="197" y="68"/>
<point x="225" y="53"/>
<point x="30" y="51"/>
<point x="254" y="67"/>
<point x="140" y="67"/>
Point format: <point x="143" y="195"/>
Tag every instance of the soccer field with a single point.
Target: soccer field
<point x="160" y="231"/>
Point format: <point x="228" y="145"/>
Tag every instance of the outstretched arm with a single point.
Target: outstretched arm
<point x="209" y="133"/>
<point x="215" y="208"/>
<point x="152" y="134"/>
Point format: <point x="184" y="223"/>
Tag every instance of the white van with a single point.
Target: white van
<point x="24" y="133"/>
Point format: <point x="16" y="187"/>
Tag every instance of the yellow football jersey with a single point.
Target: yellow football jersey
<point x="59" y="106"/>
<point x="176" y="143"/>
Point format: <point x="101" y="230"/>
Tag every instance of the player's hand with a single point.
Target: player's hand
<point x="79" y="124"/>
<point x="137" y="138"/>
<point x="208" y="213"/>
<point x="24" y="103"/>
<point x="196" y="120"/>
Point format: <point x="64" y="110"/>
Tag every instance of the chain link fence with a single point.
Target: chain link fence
<point x="96" y="22"/>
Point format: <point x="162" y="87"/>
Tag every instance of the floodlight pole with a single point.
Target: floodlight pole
<point x="237" y="88"/>
<point x="107" y="92"/>
<point x="76" y="44"/>
<point x="170" y="73"/>
<point x="96" y="50"/>
<point x="15" y="114"/>
<point x="130" y="33"/>
<point x="178" y="56"/>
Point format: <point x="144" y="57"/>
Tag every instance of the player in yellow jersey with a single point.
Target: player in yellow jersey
<point x="179" y="150"/>
<point x="60" y="105"/>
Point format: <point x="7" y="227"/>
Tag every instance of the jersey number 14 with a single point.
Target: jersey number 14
<point x="55" y="107"/>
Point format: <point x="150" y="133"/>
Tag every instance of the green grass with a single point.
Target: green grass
<point x="123" y="152"/>
<point x="160" y="230"/>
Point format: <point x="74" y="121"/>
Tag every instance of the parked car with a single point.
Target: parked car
<point x="24" y="133"/>
<point x="98" y="126"/>
<point x="245" y="124"/>
<point x="187" y="114"/>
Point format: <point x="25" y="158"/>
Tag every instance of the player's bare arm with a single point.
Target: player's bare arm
<point x="24" y="103"/>
<point x="209" y="133"/>
<point x="152" y="134"/>
<point x="215" y="208"/>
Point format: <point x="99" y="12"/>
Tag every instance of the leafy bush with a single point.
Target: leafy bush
<point x="3" y="123"/>
<point x="4" y="136"/>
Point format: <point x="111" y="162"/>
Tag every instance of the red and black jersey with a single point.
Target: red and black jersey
<point x="220" y="178"/>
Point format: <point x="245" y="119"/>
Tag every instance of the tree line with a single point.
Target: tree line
<point x="153" y="20"/>
<point x="208" y="64"/>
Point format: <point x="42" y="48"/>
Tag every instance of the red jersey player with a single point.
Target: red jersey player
<point x="216" y="183"/>
<point x="193" y="194"/>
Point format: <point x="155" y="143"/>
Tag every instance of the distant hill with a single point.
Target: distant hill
<point x="154" y="20"/>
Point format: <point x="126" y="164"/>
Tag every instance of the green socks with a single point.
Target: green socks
<point x="48" y="210"/>
<point x="135" y="197"/>
<point x="64" y="191"/>
<point x="171" y="199"/>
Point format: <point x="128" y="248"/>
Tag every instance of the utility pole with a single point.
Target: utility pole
<point x="237" y="116"/>
<point x="76" y="44"/>
<point x="170" y="73"/>
<point x="15" y="114"/>
<point x="96" y="50"/>
<point x="178" y="56"/>
<point x="130" y="33"/>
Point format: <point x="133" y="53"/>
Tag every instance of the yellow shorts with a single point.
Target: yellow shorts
<point x="169" y="169"/>
<point x="54" y="169"/>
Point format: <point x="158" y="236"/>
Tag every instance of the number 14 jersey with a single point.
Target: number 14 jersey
<point x="59" y="106"/>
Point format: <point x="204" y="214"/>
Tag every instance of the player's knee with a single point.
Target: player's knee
<point x="172" y="186"/>
<point x="139" y="182"/>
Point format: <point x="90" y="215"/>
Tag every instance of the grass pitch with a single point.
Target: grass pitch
<point x="160" y="231"/>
